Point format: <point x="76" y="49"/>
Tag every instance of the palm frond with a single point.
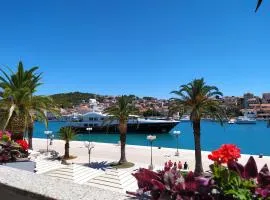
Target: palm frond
<point x="196" y="98"/>
<point x="258" y="5"/>
<point x="66" y="133"/>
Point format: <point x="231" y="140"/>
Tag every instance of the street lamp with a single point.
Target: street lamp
<point x="48" y="134"/>
<point x="151" y="138"/>
<point x="89" y="146"/>
<point x="177" y="133"/>
<point x="89" y="129"/>
<point x="51" y="139"/>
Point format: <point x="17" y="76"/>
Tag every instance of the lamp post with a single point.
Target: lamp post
<point x="177" y="133"/>
<point x="47" y="133"/>
<point x="51" y="139"/>
<point x="89" y="146"/>
<point x="151" y="138"/>
<point x="89" y="129"/>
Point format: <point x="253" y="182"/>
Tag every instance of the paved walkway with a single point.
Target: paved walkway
<point x="140" y="155"/>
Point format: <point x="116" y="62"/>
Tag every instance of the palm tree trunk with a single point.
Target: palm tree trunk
<point x="198" y="154"/>
<point x="30" y="135"/>
<point x="16" y="126"/>
<point x="66" y="150"/>
<point x="123" y="136"/>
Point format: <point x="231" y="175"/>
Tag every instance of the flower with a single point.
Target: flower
<point x="226" y="153"/>
<point x="23" y="144"/>
<point x="5" y="136"/>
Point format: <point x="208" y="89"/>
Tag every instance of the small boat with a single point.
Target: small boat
<point x="232" y="121"/>
<point x="248" y="118"/>
<point x="245" y="120"/>
<point x="185" y="118"/>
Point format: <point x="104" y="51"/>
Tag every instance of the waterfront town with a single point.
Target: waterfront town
<point x="132" y="100"/>
<point x="150" y="106"/>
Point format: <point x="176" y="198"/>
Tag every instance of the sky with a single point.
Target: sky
<point x="141" y="47"/>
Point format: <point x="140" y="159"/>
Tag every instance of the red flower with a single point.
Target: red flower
<point x="226" y="153"/>
<point x="23" y="144"/>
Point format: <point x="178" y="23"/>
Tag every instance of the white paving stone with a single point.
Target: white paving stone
<point x="43" y="166"/>
<point x="115" y="180"/>
<point x="75" y="173"/>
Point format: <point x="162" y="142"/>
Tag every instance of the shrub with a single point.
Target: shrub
<point x="10" y="150"/>
<point x="5" y="136"/>
<point x="231" y="182"/>
<point x="23" y="144"/>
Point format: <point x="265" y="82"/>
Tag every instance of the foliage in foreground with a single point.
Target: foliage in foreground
<point x="19" y="105"/>
<point x="232" y="181"/>
<point x="12" y="150"/>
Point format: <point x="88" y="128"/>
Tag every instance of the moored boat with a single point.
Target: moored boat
<point x="185" y="118"/>
<point x="248" y="118"/>
<point x="99" y="122"/>
<point x="245" y="120"/>
<point x="232" y="121"/>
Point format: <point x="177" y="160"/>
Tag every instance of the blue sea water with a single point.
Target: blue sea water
<point x="250" y="138"/>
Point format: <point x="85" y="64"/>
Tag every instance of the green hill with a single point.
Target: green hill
<point x="67" y="100"/>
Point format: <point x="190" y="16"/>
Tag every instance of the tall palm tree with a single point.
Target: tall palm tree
<point x="67" y="134"/>
<point x="198" y="99"/>
<point x="20" y="105"/>
<point x="120" y="111"/>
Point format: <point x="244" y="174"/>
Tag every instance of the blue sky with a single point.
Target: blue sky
<point x="142" y="47"/>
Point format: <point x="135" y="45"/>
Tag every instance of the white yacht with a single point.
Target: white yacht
<point x="245" y="120"/>
<point x="99" y="122"/>
<point x="248" y="118"/>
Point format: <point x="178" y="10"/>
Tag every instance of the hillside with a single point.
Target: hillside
<point x="67" y="100"/>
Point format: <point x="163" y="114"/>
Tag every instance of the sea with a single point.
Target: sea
<point x="250" y="138"/>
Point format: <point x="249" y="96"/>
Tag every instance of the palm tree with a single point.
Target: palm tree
<point x="198" y="99"/>
<point x="18" y="103"/>
<point x="67" y="134"/>
<point x="120" y="112"/>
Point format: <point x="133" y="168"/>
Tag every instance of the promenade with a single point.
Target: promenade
<point x="140" y="155"/>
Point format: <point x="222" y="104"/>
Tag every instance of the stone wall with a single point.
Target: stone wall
<point x="22" y="185"/>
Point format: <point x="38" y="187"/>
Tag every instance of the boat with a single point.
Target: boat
<point x="99" y="122"/>
<point x="232" y="121"/>
<point x="185" y="118"/>
<point x="248" y="118"/>
<point x="245" y="120"/>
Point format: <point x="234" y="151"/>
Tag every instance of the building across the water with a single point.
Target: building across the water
<point x="266" y="98"/>
<point x="263" y="110"/>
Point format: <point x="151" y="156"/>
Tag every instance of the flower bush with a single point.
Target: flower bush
<point x="231" y="181"/>
<point x="5" y="136"/>
<point x="171" y="184"/>
<point x="226" y="153"/>
<point x="10" y="150"/>
<point x="23" y="144"/>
